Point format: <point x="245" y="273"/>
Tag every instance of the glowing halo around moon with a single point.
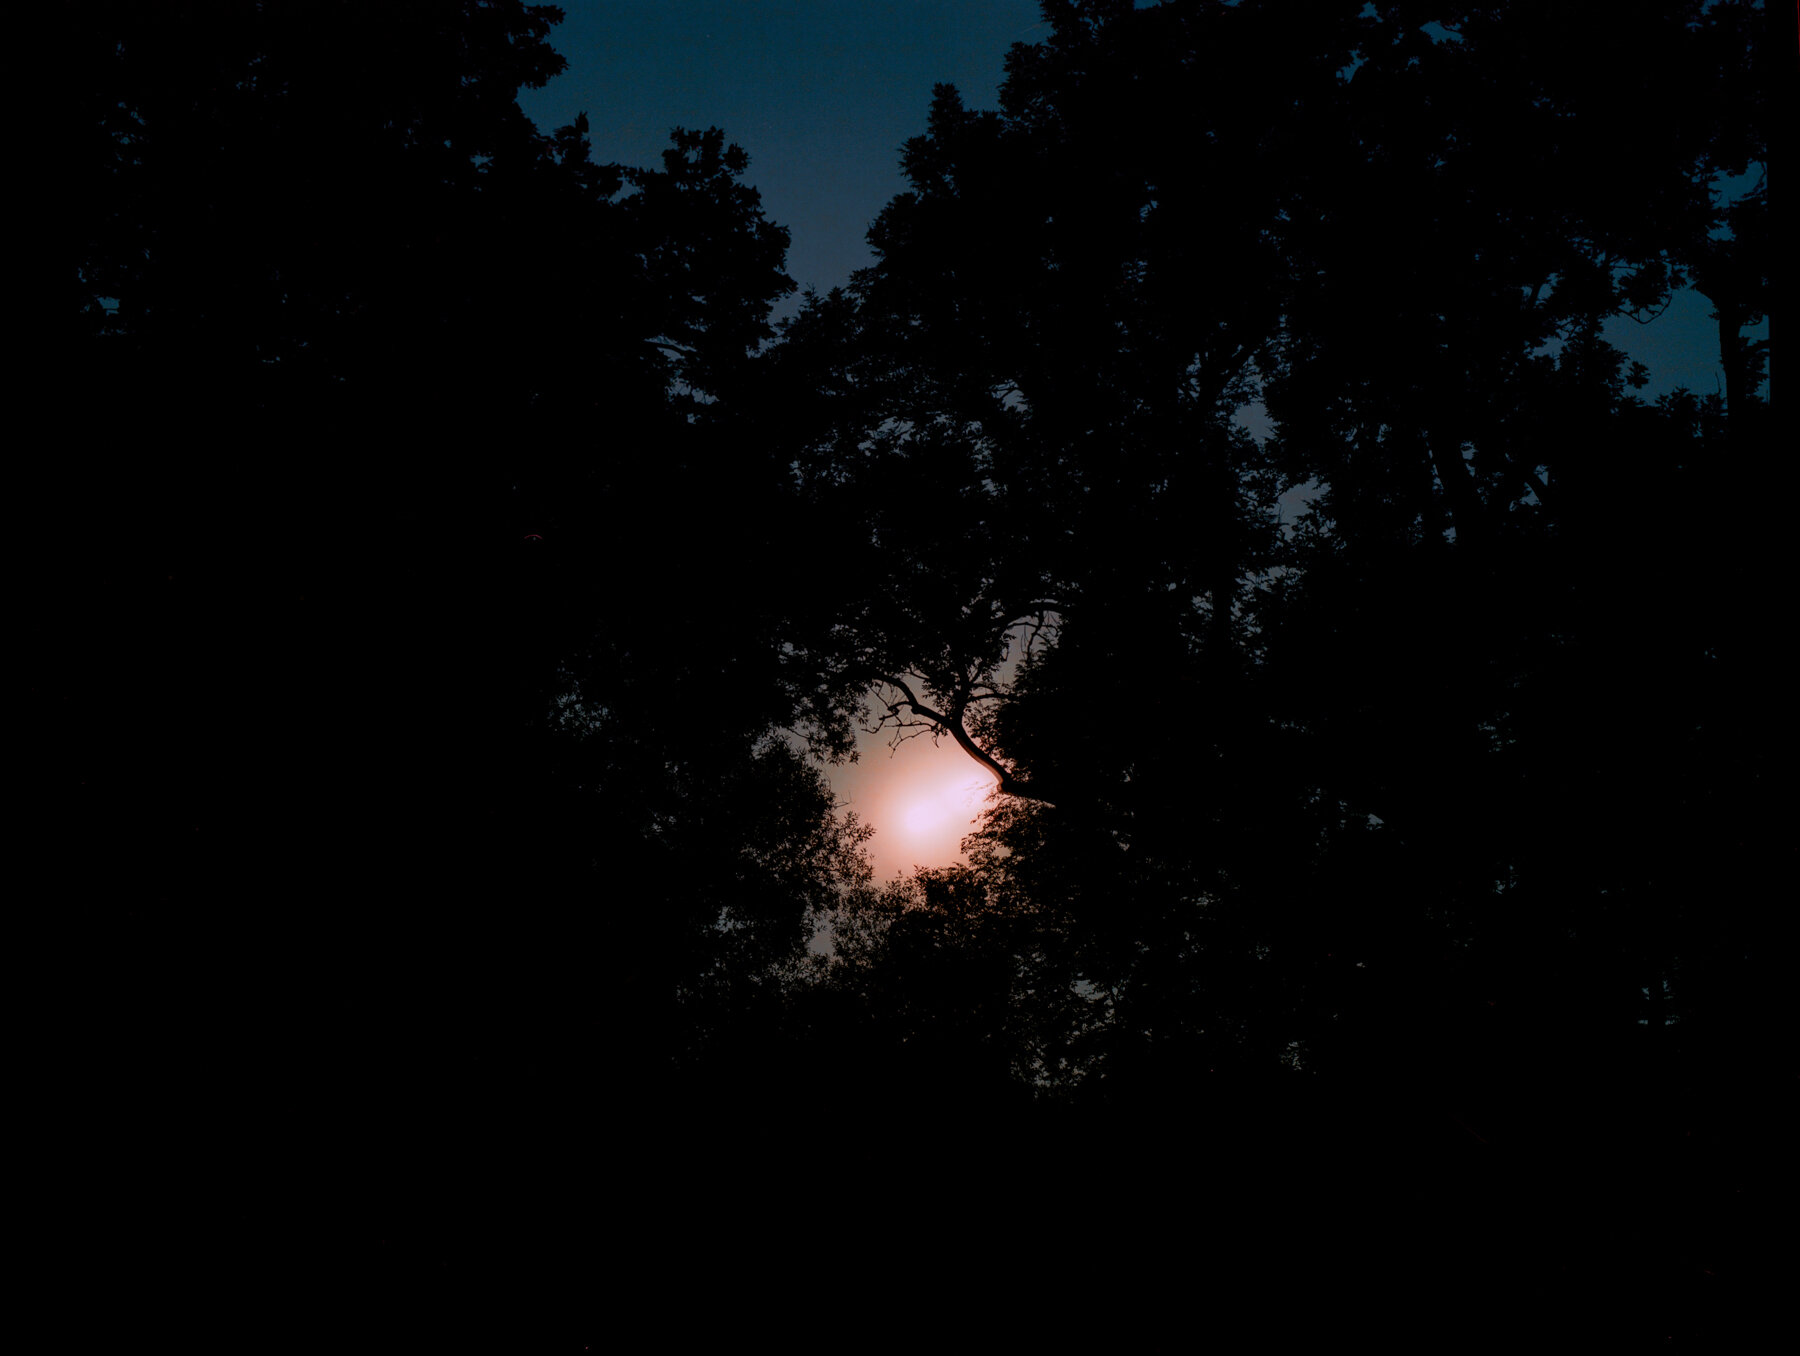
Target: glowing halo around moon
<point x="951" y="804"/>
<point x="921" y="799"/>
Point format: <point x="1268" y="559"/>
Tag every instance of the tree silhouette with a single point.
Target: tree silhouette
<point x="476" y="577"/>
<point x="435" y="798"/>
<point x="1413" y="802"/>
<point x="1049" y="351"/>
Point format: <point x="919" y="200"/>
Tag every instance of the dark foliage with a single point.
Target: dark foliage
<point x="471" y="580"/>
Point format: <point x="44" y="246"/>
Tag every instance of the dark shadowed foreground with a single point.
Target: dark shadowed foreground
<point x="469" y="583"/>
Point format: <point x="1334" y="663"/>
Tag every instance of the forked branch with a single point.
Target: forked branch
<point x="953" y="726"/>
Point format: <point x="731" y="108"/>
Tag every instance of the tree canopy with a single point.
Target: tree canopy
<point x="1226" y="450"/>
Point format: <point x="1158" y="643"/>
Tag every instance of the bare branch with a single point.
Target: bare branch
<point x="1654" y="315"/>
<point x="1036" y="630"/>
<point x="1009" y="785"/>
<point x="917" y="728"/>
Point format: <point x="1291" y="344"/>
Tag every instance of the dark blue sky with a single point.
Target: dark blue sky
<point x="822" y="94"/>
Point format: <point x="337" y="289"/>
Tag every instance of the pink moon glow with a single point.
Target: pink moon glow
<point x="921" y="799"/>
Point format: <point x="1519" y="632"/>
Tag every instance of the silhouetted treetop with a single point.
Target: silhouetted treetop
<point x="1226" y="450"/>
<point x="1243" y="760"/>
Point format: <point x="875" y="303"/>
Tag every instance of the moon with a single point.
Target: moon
<point x="935" y="814"/>
<point x="922" y="799"/>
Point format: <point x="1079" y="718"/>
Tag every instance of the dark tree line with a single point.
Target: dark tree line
<point x="472" y="580"/>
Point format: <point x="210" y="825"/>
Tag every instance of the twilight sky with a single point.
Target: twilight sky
<point x="822" y="94"/>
